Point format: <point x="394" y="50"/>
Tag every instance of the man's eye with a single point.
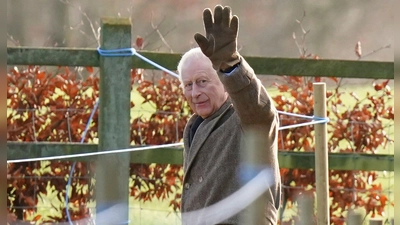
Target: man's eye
<point x="202" y="82"/>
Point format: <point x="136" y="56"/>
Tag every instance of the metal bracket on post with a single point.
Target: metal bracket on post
<point x="112" y="170"/>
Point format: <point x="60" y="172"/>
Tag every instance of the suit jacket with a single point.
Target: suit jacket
<point x="220" y="146"/>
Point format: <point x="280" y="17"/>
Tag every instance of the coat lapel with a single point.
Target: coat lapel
<point x="202" y="133"/>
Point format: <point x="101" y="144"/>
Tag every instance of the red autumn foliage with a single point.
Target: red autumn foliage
<point x="361" y="126"/>
<point x="55" y="107"/>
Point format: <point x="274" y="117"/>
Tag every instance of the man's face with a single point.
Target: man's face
<point x="202" y="88"/>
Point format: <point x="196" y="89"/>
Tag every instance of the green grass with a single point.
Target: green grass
<point x="155" y="212"/>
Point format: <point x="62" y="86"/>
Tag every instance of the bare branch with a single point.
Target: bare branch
<point x="375" y="51"/>
<point x="155" y="27"/>
<point x="301" y="46"/>
<point x="297" y="43"/>
<point x="95" y="32"/>
<point x="11" y="38"/>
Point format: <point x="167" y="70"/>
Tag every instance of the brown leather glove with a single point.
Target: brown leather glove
<point x="220" y="42"/>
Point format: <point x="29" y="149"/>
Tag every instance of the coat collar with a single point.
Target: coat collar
<point x="202" y="133"/>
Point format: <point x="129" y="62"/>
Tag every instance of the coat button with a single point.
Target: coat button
<point x="201" y="179"/>
<point x="187" y="186"/>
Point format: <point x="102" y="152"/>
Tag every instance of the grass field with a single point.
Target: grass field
<point x="155" y="212"/>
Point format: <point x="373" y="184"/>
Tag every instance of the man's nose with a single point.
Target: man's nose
<point x="195" y="91"/>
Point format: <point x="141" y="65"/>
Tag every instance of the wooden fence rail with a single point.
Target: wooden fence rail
<point x="170" y="155"/>
<point x="261" y="65"/>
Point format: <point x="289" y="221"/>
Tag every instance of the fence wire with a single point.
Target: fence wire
<point x="46" y="200"/>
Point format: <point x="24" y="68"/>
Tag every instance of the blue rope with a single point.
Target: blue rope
<point x="73" y="165"/>
<point x="131" y="52"/>
<point x="117" y="52"/>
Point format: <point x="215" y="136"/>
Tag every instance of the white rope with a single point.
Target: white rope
<point x="95" y="153"/>
<point x="213" y="214"/>
<point x="234" y="203"/>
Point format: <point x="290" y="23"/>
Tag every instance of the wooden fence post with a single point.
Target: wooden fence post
<point x="354" y="218"/>
<point x="321" y="155"/>
<point x="306" y="209"/>
<point x="376" y="221"/>
<point x="112" y="170"/>
<point x="254" y="157"/>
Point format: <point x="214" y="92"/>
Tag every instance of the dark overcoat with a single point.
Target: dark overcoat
<point x="212" y="160"/>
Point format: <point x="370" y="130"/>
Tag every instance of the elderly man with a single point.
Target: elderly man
<point x="232" y="111"/>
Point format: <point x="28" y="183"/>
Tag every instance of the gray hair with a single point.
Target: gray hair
<point x="193" y="54"/>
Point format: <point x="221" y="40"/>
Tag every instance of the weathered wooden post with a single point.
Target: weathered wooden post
<point x="254" y="157"/>
<point x="112" y="170"/>
<point x="376" y="221"/>
<point x="321" y="155"/>
<point x="354" y="218"/>
<point x="306" y="209"/>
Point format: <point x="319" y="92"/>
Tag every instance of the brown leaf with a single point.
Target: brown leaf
<point x="37" y="218"/>
<point x="41" y="75"/>
<point x="139" y="42"/>
<point x="29" y="201"/>
<point x="89" y="69"/>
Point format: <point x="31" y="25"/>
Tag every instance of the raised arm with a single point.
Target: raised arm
<point x="250" y="98"/>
